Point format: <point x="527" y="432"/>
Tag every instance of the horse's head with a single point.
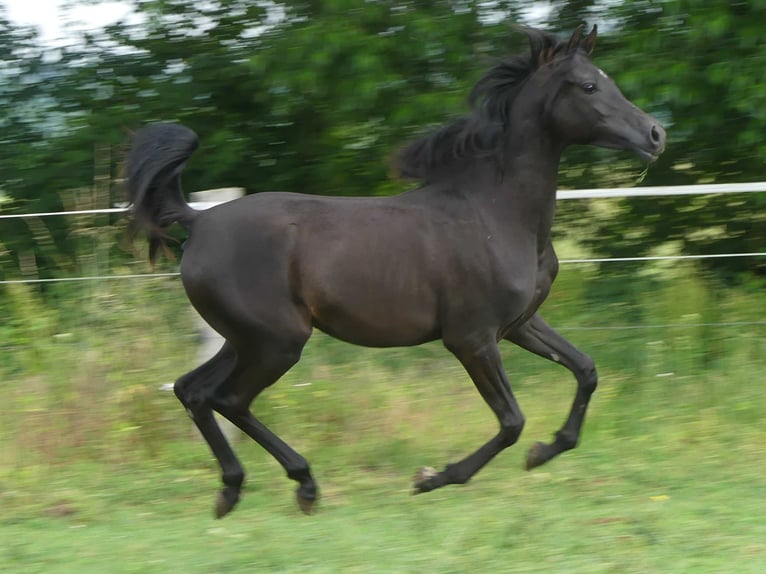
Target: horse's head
<point x="584" y="106"/>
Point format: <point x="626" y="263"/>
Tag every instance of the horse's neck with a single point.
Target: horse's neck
<point x="531" y="168"/>
<point x="525" y="195"/>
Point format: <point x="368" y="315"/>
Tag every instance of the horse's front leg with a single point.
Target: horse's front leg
<point x="485" y="368"/>
<point x="538" y="337"/>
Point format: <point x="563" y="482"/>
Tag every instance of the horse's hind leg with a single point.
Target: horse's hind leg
<point x="194" y="391"/>
<point x="538" y="337"/>
<point x="260" y="365"/>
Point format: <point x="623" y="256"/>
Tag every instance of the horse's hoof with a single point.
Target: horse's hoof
<point x="227" y="499"/>
<point x="536" y="456"/>
<point x="307" y="495"/>
<point x="305" y="504"/>
<point x="306" y="501"/>
<point x="423" y="479"/>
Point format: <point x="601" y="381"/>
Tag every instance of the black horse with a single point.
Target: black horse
<point x="466" y="257"/>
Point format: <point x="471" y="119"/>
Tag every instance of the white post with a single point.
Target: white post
<point x="210" y="340"/>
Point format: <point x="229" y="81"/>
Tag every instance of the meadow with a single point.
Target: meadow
<point x="100" y="470"/>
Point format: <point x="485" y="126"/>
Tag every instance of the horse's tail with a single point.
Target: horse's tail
<point x="156" y="159"/>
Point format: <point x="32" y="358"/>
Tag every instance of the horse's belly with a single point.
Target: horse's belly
<point x="375" y="293"/>
<point x="375" y="319"/>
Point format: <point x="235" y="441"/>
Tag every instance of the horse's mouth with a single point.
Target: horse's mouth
<point x="646" y="151"/>
<point x="648" y="156"/>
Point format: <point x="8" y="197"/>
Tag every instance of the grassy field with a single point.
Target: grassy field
<point x="100" y="470"/>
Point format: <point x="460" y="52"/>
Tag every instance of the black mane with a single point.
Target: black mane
<point x="480" y="133"/>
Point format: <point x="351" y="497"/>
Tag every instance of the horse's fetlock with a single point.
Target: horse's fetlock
<point x="300" y="473"/>
<point x="233" y="479"/>
<point x="566" y="440"/>
<point x="454" y="474"/>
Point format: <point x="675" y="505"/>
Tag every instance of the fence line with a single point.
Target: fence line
<point x="106" y="210"/>
<point x="654" y="191"/>
<point x="73" y="212"/>
<point x="90" y="278"/>
<point x="664" y="190"/>
<point x="661" y="257"/>
<point x="563" y="194"/>
<point x="561" y="261"/>
<point x="665" y="326"/>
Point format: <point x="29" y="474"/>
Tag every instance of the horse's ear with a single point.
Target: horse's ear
<point x="589" y="42"/>
<point x="574" y="41"/>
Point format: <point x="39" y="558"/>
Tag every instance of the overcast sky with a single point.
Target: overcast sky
<point x="55" y="22"/>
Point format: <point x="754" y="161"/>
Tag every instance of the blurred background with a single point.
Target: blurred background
<point x="98" y="465"/>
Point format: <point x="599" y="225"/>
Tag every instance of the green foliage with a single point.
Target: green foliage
<point x="317" y="97"/>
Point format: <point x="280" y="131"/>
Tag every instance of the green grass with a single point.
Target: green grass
<point x="668" y="492"/>
<point x="101" y="472"/>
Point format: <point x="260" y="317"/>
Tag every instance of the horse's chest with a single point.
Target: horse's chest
<point x="526" y="284"/>
<point x="545" y="274"/>
<point x="544" y="280"/>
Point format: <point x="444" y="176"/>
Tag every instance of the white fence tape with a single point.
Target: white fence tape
<point x="656" y="191"/>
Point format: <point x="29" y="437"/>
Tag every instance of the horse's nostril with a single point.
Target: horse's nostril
<point x="655" y="135"/>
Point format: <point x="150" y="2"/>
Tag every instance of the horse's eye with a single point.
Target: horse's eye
<point x="589" y="87"/>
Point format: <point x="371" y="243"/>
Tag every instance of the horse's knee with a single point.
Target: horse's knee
<point x="510" y="430"/>
<point x="587" y="377"/>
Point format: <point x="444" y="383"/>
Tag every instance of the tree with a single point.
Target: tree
<point x="316" y="97"/>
